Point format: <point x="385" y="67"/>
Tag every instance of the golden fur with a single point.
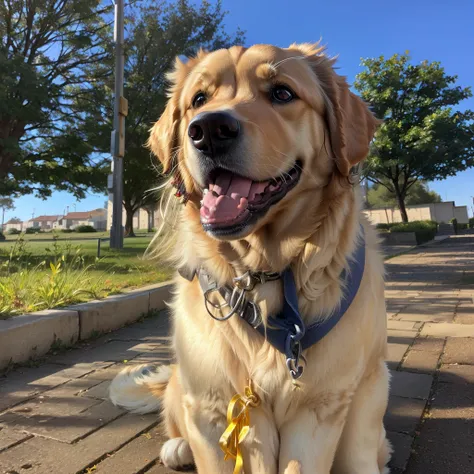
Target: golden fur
<point x="333" y="421"/>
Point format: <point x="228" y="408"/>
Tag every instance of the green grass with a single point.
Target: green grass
<point x="66" y="236"/>
<point x="30" y="278"/>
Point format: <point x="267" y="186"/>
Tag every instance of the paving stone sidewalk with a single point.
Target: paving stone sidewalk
<point x="55" y="417"/>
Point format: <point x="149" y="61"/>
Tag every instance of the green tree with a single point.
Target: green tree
<point x="157" y="32"/>
<point x="419" y="193"/>
<point x="423" y="135"/>
<point x="51" y="53"/>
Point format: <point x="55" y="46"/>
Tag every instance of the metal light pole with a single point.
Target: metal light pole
<point x="115" y="183"/>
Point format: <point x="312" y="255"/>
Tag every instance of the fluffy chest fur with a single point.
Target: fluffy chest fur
<point x="217" y="358"/>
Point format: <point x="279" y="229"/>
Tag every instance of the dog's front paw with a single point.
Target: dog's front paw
<point x="176" y="454"/>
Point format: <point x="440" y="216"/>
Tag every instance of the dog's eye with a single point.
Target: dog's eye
<point x="199" y="100"/>
<point x="282" y="94"/>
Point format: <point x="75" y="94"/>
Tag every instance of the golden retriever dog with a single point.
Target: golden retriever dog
<point x="261" y="144"/>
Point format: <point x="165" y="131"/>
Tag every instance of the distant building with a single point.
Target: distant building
<point x="96" y="218"/>
<point x="142" y="219"/>
<point x="441" y="212"/>
<point x="13" y="224"/>
<point x="42" y="222"/>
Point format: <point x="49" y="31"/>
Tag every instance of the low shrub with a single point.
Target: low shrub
<point x="413" y="226"/>
<point x="85" y="228"/>
<point x="14" y="232"/>
<point x="424" y="230"/>
<point x="462" y="226"/>
<point x="2" y="237"/>
<point x="31" y="230"/>
<point x="384" y="226"/>
<point x="471" y="223"/>
<point x="67" y="231"/>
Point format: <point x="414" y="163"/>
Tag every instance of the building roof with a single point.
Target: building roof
<point x="84" y="215"/>
<point x="45" y="218"/>
<point x="77" y="215"/>
<point x="13" y="221"/>
<point x="99" y="212"/>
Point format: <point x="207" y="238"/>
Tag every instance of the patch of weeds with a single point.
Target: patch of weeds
<point x="94" y="334"/>
<point x="59" y="346"/>
<point x="9" y="367"/>
<point x="152" y="313"/>
<point x="32" y="362"/>
<point x="60" y="273"/>
<point x="61" y="280"/>
<point x="149" y="314"/>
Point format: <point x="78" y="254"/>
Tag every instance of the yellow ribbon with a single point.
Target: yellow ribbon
<point x="238" y="425"/>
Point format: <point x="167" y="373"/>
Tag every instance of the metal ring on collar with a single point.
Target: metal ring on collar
<point x="296" y="371"/>
<point x="215" y="306"/>
<point x="234" y="305"/>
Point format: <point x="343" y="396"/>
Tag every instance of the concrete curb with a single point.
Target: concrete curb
<point x="438" y="240"/>
<point x="32" y="335"/>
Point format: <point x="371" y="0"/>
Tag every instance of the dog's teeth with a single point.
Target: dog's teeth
<point x="201" y="202"/>
<point x="205" y="191"/>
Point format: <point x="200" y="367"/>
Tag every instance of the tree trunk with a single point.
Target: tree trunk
<point x="151" y="218"/>
<point x="129" y="222"/>
<point x="401" y="202"/>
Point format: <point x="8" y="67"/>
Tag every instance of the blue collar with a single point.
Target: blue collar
<point x="287" y="331"/>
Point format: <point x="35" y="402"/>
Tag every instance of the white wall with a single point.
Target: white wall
<point x="140" y="219"/>
<point x="460" y="212"/>
<point x="18" y="226"/>
<point x="443" y="212"/>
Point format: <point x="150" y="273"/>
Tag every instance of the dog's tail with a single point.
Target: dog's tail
<point x="139" y="389"/>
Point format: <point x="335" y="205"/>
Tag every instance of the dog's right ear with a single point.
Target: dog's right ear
<point x="164" y="139"/>
<point x="163" y="136"/>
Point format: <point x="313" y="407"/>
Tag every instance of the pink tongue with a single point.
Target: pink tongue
<point x="228" y="197"/>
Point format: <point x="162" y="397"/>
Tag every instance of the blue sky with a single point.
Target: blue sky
<point x="435" y="30"/>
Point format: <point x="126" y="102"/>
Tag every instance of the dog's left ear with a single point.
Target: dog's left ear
<point x="351" y="124"/>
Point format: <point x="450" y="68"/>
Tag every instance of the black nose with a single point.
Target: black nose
<point x="214" y="133"/>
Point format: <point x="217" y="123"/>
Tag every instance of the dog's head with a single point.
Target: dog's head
<point x="252" y="132"/>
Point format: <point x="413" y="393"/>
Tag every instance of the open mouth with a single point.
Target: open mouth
<point x="231" y="202"/>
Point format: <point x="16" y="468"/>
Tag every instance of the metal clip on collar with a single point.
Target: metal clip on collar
<point x="293" y="352"/>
